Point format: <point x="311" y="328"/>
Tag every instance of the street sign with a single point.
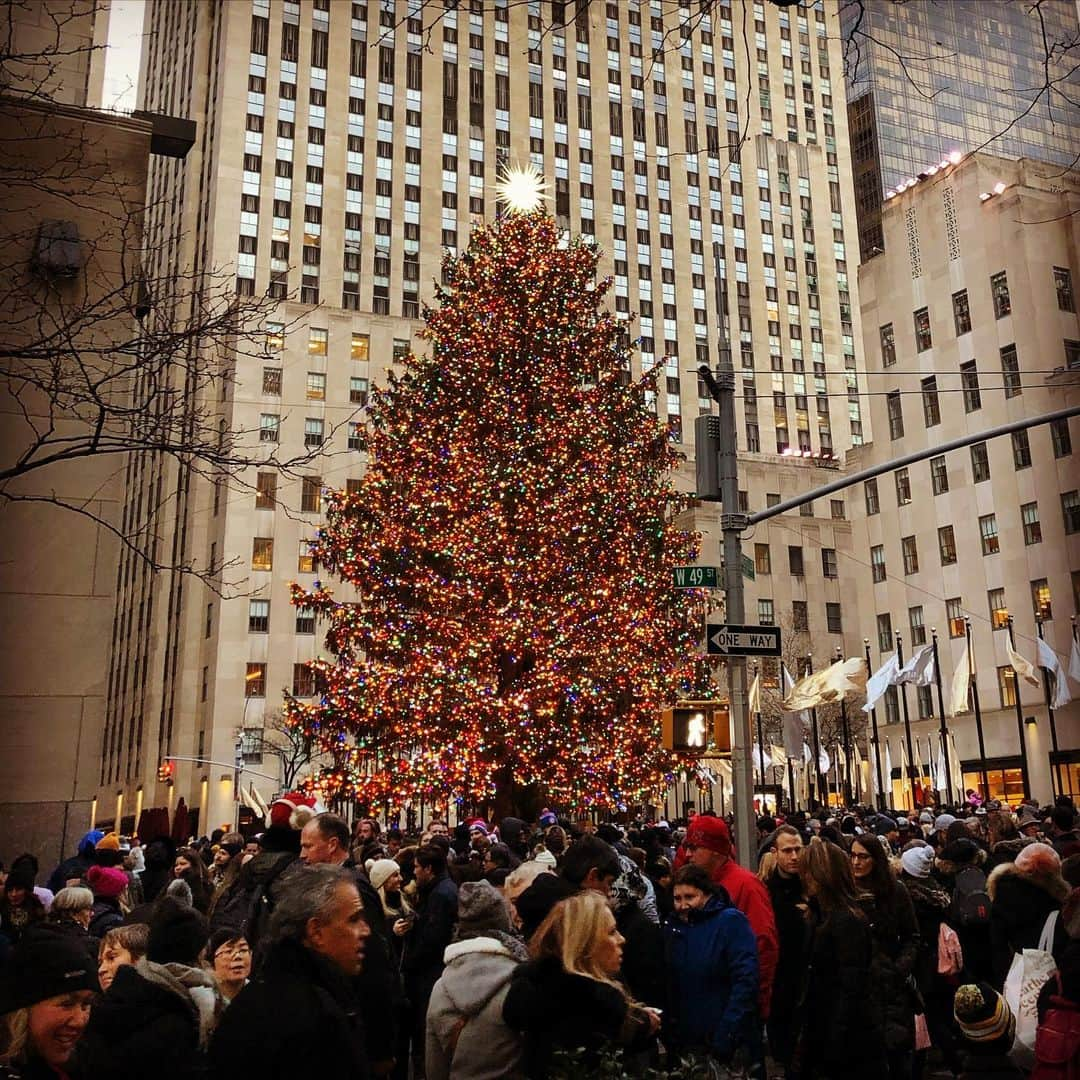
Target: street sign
<point x="697" y="577"/>
<point x="748" y="567"/>
<point x="728" y="639"/>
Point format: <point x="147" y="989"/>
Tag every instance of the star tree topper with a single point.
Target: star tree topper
<point x="522" y="188"/>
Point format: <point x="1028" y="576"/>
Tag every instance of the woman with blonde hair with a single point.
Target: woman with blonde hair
<point x="568" y="996"/>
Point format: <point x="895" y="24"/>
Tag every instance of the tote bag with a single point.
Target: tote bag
<point x="1029" y="971"/>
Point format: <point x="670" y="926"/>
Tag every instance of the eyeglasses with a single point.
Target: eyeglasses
<point x="860" y="856"/>
<point x="233" y="951"/>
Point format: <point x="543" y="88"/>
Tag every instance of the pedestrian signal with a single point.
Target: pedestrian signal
<point x="165" y="771"/>
<point x="697" y="727"/>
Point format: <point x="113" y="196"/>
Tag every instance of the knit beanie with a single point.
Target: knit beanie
<point x="177" y="934"/>
<point x="942" y="822"/>
<point x="109" y="842"/>
<point x="21" y="877"/>
<point x="107" y="881"/>
<point x="983" y="1015"/>
<point x="46" y="963"/>
<point x="918" y="861"/>
<point x="710" y="833"/>
<point x="481" y="907"/>
<point x="380" y="871"/>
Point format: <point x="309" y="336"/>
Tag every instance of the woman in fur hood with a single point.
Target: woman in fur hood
<point x="1023" y="894"/>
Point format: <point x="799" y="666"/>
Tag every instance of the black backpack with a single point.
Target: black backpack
<point x="970" y="902"/>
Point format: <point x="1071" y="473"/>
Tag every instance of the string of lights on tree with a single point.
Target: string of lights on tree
<point x="510" y="546"/>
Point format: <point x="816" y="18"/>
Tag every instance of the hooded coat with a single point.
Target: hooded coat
<point x="154" y="1021"/>
<point x="712" y="978"/>
<point x="1020" y="904"/>
<point x="77" y="865"/>
<point x="466" y="1036"/>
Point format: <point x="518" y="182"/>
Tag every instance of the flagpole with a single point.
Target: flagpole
<point x="1055" y="768"/>
<point x="973" y="689"/>
<point x="760" y="742"/>
<point x="877" y="743"/>
<point x="944" y="726"/>
<point x="847" y="740"/>
<point x="907" y="721"/>
<point x="1019" y="718"/>
<point x="817" y="746"/>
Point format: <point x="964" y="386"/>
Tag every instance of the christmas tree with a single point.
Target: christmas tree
<point x="511" y="547"/>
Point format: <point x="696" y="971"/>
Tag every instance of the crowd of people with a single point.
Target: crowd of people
<point x="865" y="944"/>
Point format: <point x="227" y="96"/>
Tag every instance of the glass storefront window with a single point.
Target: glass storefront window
<point x="1005" y="783"/>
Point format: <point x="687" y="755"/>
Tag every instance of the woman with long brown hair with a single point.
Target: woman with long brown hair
<point x="568" y="996"/>
<point x="839" y="1029"/>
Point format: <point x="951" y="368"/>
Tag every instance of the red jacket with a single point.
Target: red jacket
<point x="749" y="894"/>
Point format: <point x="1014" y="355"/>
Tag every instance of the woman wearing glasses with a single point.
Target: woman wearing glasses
<point x="896" y="948"/>
<point x="229" y="958"/>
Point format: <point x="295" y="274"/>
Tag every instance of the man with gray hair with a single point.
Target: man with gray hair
<point x="300" y="1015"/>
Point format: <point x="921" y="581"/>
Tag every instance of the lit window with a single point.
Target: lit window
<point x="762" y="559"/>
<point x="988" y="532"/>
<point x="1040" y="599"/>
<point x="361" y="345"/>
<point x="258" y="616"/>
<point x="306" y="562"/>
<point x="317" y="341"/>
<point x="954" y="612"/>
<point x="265" y="491"/>
<point x="316" y="386"/>
<point x="275" y="337"/>
<point x="1029" y="515"/>
<point x="255" y="681"/>
<point x="262" y="553"/>
<point x="999" y="613"/>
<point x="1007" y="686"/>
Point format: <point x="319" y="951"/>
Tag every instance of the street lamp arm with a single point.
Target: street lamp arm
<point x="223" y="765"/>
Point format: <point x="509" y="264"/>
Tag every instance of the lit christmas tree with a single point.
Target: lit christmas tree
<point x="511" y="545"/>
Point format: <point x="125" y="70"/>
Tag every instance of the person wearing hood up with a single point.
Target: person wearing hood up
<point x="712" y="970"/>
<point x="466" y="1036"/>
<point x="72" y="871"/>
<point x="156" y="1018"/>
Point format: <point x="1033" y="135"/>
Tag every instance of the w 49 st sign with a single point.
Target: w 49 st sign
<point x="734" y="639"/>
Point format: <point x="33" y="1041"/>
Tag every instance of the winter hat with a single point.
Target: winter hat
<point x="180" y="891"/>
<point x="108" y="882"/>
<point x="534" y="904"/>
<point x="710" y="833"/>
<point x="545" y="858"/>
<point x="46" y="963"/>
<point x="926" y="818"/>
<point x="918" y="861"/>
<point x="89" y="841"/>
<point x="942" y="822"/>
<point x="294" y="809"/>
<point x="983" y="1014"/>
<point x="963" y="850"/>
<point x="380" y="871"/>
<point x="629" y="887"/>
<point x="177" y="934"/>
<point x="20" y="877"/>
<point x="478" y="825"/>
<point x="547" y="817"/>
<point x="1028" y="815"/>
<point x="481" y="908"/>
<point x="883" y="825"/>
<point x="109" y="842"/>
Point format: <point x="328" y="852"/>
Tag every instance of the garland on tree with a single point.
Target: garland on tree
<point x="510" y="550"/>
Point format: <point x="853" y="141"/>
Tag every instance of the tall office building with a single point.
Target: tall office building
<point x="925" y="80"/>
<point x="970" y="319"/>
<point x="342" y="148"/>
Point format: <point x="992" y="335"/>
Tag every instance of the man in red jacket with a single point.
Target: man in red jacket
<point x="708" y="845"/>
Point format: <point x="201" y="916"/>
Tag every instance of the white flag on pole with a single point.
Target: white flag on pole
<point x="957" y="769"/>
<point x="857" y="757"/>
<point x="1074" y="661"/>
<point x="755" y="695"/>
<point x="942" y="773"/>
<point x="1024" y="669"/>
<point x="824" y="764"/>
<point x="880" y="681"/>
<point x="1060" y="696"/>
<point x="958" y="699"/>
<point x="919" y="670"/>
<point x="886" y="779"/>
<point x="794" y="723"/>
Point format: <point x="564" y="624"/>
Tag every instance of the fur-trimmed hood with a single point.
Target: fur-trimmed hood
<point x="1054" y="885"/>
<point x="195" y="987"/>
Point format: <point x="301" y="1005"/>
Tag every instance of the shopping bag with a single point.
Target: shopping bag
<point x="922" y="1032"/>
<point x="1029" y="971"/>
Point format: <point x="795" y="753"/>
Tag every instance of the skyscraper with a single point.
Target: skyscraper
<point x="343" y="147"/>
<point x="925" y="80"/>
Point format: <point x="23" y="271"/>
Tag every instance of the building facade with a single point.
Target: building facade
<point x="928" y="80"/>
<point x="970" y="321"/>
<point x="343" y="148"/>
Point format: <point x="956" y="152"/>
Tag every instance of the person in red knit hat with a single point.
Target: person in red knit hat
<point x="708" y="845"/>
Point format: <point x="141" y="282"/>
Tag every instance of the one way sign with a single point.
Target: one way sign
<point x="731" y="639"/>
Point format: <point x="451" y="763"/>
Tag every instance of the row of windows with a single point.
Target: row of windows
<point x="800" y="615"/>
<point x="305" y="681"/>
<point x="988" y="536"/>
<point x="999" y="291"/>
<point x="796" y="565"/>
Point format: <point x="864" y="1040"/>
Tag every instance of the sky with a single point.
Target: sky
<point x="122" y="59"/>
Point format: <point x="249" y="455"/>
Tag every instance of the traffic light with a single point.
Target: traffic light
<point x="697" y="727"/>
<point x="165" y="772"/>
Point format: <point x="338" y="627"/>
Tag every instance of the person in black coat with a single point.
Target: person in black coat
<point x="300" y="1016"/>
<point x="839" y="1027"/>
<point x="789" y="907"/>
<point x="896" y="948"/>
<point x="156" y="1017"/>
<point x="644" y="968"/>
<point x="1023" y="894"/>
<point x="567" y="998"/>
